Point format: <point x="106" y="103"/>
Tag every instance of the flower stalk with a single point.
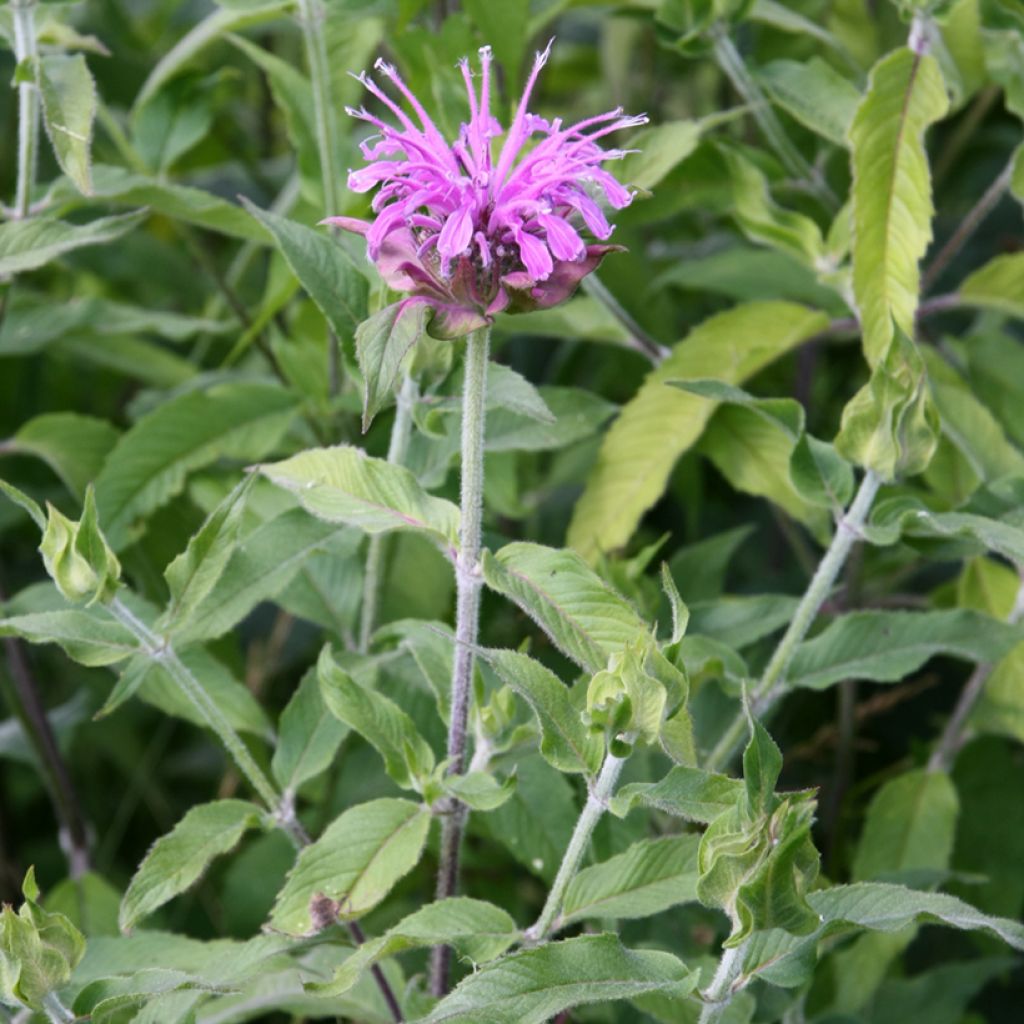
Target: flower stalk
<point x="719" y="993"/>
<point x="467" y="615"/>
<point x="23" y="17"/>
<point x="593" y="809"/>
<point x="772" y="682"/>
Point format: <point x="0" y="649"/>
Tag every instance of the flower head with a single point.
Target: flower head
<point x="472" y="229"/>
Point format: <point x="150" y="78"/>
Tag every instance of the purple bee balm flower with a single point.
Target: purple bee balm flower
<point x="471" y="235"/>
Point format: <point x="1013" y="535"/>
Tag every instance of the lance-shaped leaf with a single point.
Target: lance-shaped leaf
<point x="383" y="341"/>
<point x="352" y="866"/>
<point x="651" y="876"/>
<point x="584" y="617"/>
<point x="997" y="285"/>
<point x="788" y="960"/>
<point x="887" y="646"/>
<point x="479" y="931"/>
<point x="179" y="858"/>
<point x="814" y="93"/>
<point x="31" y="243"/>
<point x="87" y="636"/>
<point x="684" y="792"/>
<point x="323" y="267"/>
<point x="379" y="720"/>
<point x="308" y="736"/>
<point x="659" y="424"/>
<point x="892" y="194"/>
<point x="69" y="109"/>
<point x="344" y="485"/>
<point x="565" y="741"/>
<point x="534" y="985"/>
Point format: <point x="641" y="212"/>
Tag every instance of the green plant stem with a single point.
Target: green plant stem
<point x="952" y="737"/>
<point x="398" y="448"/>
<point x="597" y="803"/>
<point x="55" y="1010"/>
<point x="639" y="340"/>
<point x="719" y="993"/>
<point x="467" y="614"/>
<point x="23" y="16"/>
<point x="735" y="69"/>
<point x="848" y="531"/>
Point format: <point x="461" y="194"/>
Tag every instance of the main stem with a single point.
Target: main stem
<point x="467" y="614"/>
<point x="398" y="448"/>
<point x="848" y="531"/>
<point x="597" y="803"/>
<point x="23" y="16"/>
<point x="718" y="995"/>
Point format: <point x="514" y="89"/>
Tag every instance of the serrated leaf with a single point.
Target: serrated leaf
<point x="910" y="826"/>
<point x="533" y="985"/>
<point x="68" y="93"/>
<point x="344" y="485"/>
<point x="887" y="646"/>
<point x="565" y="741"/>
<point x="352" y="866"/>
<point x="383" y="341"/>
<point x="892" y="201"/>
<point x="323" y="268"/>
<point x="73" y="446"/>
<point x="584" y="617"/>
<point x="149" y="465"/>
<point x="32" y="243"/>
<point x="998" y="284"/>
<point x="408" y="758"/>
<point x="661" y="423"/>
<point x="651" y="876"/>
<point x="784" y="959"/>
<point x="308" y="736"/>
<point x="479" y="931"/>
<point x="684" y="792"/>
<point x="196" y="571"/>
<point x="179" y="858"/>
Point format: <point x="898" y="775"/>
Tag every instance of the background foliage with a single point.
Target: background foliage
<point x="157" y="337"/>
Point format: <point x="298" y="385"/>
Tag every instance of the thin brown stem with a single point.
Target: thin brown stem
<point x="378" y="975"/>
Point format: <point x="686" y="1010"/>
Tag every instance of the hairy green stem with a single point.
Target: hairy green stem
<point x="719" y="993"/>
<point x="467" y="614"/>
<point x="23" y="16"/>
<point x="597" y="803"/>
<point x="55" y="1010"/>
<point x="735" y="69"/>
<point x="848" y="531"/>
<point x="952" y="737"/>
<point x="398" y="448"/>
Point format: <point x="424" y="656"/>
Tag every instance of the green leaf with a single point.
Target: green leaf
<point x="352" y="866"/>
<point x="886" y="647"/>
<point x="680" y="613"/>
<point x="910" y="826"/>
<point x="195" y="572"/>
<point x="36" y="241"/>
<point x="86" y="635"/>
<point x="565" y="741"/>
<point x="308" y="736"/>
<point x="179" y="858"/>
<point x="651" y="876"/>
<point x="69" y="109"/>
<point x="741" y="620"/>
<point x="408" y="758"/>
<point x="382" y="344"/>
<point x="149" y="465"/>
<point x="479" y="931"/>
<point x="572" y="414"/>
<point x="684" y="792"/>
<point x="73" y="446"/>
<point x="997" y="285"/>
<point x="660" y="148"/>
<point x="815" y="94"/>
<point x="507" y="25"/>
<point x="534" y="985"/>
<point x="479" y="791"/>
<point x="892" y="200"/>
<point x="323" y="268"/>
<point x="264" y="564"/>
<point x="781" y="959"/>
<point x="659" y="424"/>
<point x="584" y="617"/>
<point x="344" y="485"/>
<point x="762" y="765"/>
<point x="24" y="502"/>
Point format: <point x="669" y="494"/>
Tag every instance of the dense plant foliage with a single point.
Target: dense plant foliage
<point x="371" y="653"/>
